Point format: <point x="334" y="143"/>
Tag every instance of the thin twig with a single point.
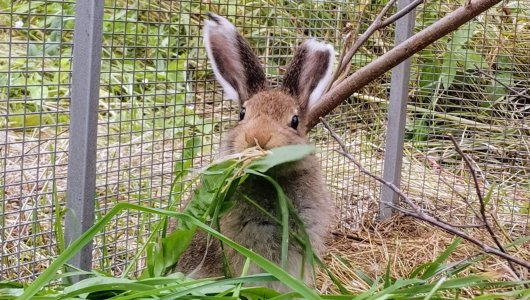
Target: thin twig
<point x="407" y="9"/>
<point x="418" y="213"/>
<point x="348" y="42"/>
<point x="353" y="237"/>
<point x="377" y="24"/>
<point x="464" y="225"/>
<point x="463" y="197"/>
<point x="480" y="198"/>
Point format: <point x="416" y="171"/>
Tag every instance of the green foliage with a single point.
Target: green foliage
<point x="457" y="53"/>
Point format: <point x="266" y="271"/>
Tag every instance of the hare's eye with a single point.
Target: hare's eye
<point x="294" y="122"/>
<point x="242" y="113"/>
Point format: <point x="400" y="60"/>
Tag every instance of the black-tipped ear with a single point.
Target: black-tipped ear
<point x="235" y="65"/>
<point x="309" y="72"/>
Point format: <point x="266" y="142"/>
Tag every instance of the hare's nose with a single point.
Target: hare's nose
<point x="260" y="139"/>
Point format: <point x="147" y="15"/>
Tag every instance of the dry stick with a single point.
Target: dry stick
<point x="463" y="225"/>
<point x="418" y="212"/>
<point x="392" y="58"/>
<point x="407" y="9"/>
<point x="352" y="237"/>
<point x="347" y="40"/>
<point x="376" y="25"/>
<point x="481" y="200"/>
<point x="346" y="45"/>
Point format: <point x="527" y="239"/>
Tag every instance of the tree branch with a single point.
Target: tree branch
<point x="481" y="200"/>
<point x="337" y="94"/>
<point x="418" y="213"/>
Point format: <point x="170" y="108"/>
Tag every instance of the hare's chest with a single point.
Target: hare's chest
<point x="256" y="211"/>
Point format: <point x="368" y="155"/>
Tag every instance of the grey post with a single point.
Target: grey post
<point x="83" y="126"/>
<point x="397" y="110"/>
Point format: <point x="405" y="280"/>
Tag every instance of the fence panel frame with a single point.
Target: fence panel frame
<point x="81" y="178"/>
<point x="397" y="115"/>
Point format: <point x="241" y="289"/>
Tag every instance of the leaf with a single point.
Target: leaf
<point x="207" y="202"/>
<point x="463" y="34"/>
<point x="435" y="288"/>
<point x="38" y="92"/>
<point x="474" y="59"/>
<point x="259" y="293"/>
<point x="504" y="62"/>
<point x="28" y="120"/>
<point x="387" y="279"/>
<point x="497" y="90"/>
<point x="171" y="249"/>
<point x="282" y="155"/>
<point x="449" y="68"/>
<point x="487" y="197"/>
<point x="396" y="285"/>
<point x="10" y="293"/>
<point x="364" y="277"/>
<point x="456" y="53"/>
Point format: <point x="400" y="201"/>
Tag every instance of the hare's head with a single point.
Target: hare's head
<point x="268" y="117"/>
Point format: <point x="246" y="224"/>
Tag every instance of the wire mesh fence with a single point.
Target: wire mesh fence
<point x="473" y="85"/>
<point x="160" y="111"/>
<point x="35" y="54"/>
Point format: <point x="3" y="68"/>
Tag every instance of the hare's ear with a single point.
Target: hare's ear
<point x="309" y="72"/>
<point x="236" y="67"/>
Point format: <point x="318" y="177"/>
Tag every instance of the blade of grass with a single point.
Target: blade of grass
<point x="244" y="272"/>
<point x="435" y="288"/>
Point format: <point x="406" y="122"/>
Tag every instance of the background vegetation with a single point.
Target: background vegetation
<point x="161" y="114"/>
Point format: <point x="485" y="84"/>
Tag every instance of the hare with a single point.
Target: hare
<point x="269" y="118"/>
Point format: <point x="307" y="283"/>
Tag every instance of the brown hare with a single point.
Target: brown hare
<point x="269" y="118"/>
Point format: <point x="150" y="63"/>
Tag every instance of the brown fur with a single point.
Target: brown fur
<point x="267" y="123"/>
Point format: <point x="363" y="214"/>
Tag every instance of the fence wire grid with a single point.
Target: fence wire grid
<point x="160" y="110"/>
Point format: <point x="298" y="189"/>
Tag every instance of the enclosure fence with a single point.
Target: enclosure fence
<point x="113" y="112"/>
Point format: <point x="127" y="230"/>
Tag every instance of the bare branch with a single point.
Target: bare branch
<point x="463" y="225"/>
<point x="481" y="199"/>
<point x="407" y="9"/>
<point x="337" y="94"/>
<point x="348" y="42"/>
<point x="418" y="213"/>
<point x="353" y="237"/>
<point x="376" y="25"/>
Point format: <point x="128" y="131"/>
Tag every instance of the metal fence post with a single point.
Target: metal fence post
<point x="397" y="112"/>
<point x="83" y="125"/>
